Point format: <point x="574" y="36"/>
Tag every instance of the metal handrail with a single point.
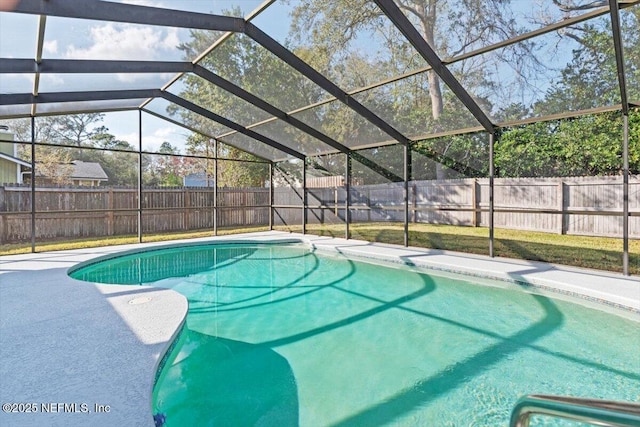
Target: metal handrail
<point x="592" y="411"/>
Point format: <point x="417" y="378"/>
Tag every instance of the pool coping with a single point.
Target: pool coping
<point x="612" y="289"/>
<point x="126" y="331"/>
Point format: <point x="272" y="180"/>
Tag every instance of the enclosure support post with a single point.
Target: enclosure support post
<point x="618" y="48"/>
<point x="215" y="186"/>
<point x="625" y="196"/>
<point x="271" y="196"/>
<point x="347" y="197"/>
<point x="304" y="196"/>
<point x="33" y="184"/>
<point x="491" y="205"/>
<point x="407" y="176"/>
<point x="140" y="176"/>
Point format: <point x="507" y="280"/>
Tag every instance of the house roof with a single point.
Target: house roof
<point x="84" y="170"/>
<point x="88" y="170"/>
<point x="15" y="160"/>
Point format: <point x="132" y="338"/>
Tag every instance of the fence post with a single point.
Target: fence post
<point x="414" y="204"/>
<point x="3" y="221"/>
<point x="187" y="205"/>
<point x="110" y="204"/>
<point x="244" y="207"/>
<point x="475" y="193"/>
<point x="562" y="229"/>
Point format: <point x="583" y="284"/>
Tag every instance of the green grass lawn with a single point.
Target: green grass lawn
<point x="21" y="248"/>
<point x="590" y="252"/>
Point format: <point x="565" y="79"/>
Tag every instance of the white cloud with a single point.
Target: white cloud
<point x="131" y="138"/>
<point x="171" y="40"/>
<point x="154" y="80"/>
<point x="126" y="42"/>
<point x="49" y="80"/>
<point x="166" y="132"/>
<point x="50" y="47"/>
<point x="16" y="83"/>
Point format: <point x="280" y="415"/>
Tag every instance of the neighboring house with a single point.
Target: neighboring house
<point x="198" y="180"/>
<point x="89" y="174"/>
<point x="12" y="169"/>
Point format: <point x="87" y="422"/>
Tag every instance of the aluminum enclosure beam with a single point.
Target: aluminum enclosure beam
<point x="43" y="98"/>
<point x="129" y="13"/>
<point x="618" y="47"/>
<point x="42" y="23"/>
<point x="406" y="171"/>
<point x="63" y="66"/>
<point x="617" y="44"/>
<point x="304" y="196"/>
<point x="75" y="66"/>
<point x="319" y="79"/>
<point x="193" y="129"/>
<point x="228" y="123"/>
<point x="33" y="184"/>
<point x="267" y="107"/>
<point x="492" y="169"/>
<point x="306" y="70"/>
<point x="393" y="12"/>
<point x="520" y="38"/>
<point x="50" y="97"/>
<point x="140" y="182"/>
<point x="347" y="199"/>
<point x="96" y="11"/>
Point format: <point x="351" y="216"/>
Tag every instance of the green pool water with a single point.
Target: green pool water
<point x="283" y="336"/>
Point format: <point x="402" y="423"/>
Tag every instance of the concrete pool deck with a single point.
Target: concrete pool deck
<point x="87" y="353"/>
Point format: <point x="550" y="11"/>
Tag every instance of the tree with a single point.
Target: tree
<point x="52" y="164"/>
<point x="171" y="167"/>
<point x="120" y="166"/>
<point x="76" y="129"/>
<point x="419" y="104"/>
<point x="238" y="173"/>
<point x="80" y="130"/>
<point x="248" y="65"/>
<point x="588" y="80"/>
<point x="586" y="145"/>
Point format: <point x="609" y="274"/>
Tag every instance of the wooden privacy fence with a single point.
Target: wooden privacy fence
<point x="583" y="206"/>
<point x="84" y="212"/>
<point x="590" y="206"/>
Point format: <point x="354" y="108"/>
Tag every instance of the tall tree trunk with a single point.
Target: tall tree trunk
<point x="427" y="25"/>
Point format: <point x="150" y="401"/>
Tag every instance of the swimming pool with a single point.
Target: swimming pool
<point x="283" y="335"/>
